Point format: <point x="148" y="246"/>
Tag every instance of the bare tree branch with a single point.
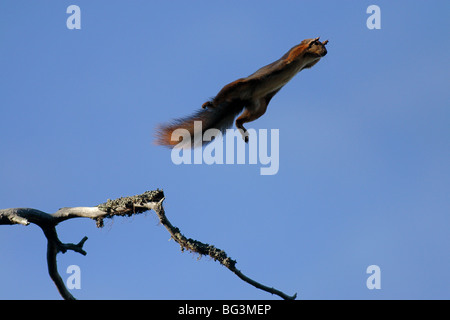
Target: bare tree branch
<point x="126" y="206"/>
<point x="47" y="222"/>
<point x="209" y="250"/>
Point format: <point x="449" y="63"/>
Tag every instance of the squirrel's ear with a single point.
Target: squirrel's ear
<point x="312" y="42"/>
<point x="325" y="42"/>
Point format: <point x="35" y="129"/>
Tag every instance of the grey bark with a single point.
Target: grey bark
<point x="126" y="206"/>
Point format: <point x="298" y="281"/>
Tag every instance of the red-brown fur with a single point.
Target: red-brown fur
<point x="251" y="94"/>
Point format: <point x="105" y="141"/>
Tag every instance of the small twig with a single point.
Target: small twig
<point x="261" y="286"/>
<point x="52" y="252"/>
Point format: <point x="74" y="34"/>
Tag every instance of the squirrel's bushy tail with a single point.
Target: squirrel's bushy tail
<point x="220" y="117"/>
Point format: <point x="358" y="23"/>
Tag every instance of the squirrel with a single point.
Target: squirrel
<point x="250" y="95"/>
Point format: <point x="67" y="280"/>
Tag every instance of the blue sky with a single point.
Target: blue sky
<point x="364" y="173"/>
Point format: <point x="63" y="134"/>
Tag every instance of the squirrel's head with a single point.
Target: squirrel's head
<point x="307" y="53"/>
<point x="315" y="47"/>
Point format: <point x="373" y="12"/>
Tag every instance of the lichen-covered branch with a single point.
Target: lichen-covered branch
<point x="125" y="206"/>
<point x="210" y="250"/>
